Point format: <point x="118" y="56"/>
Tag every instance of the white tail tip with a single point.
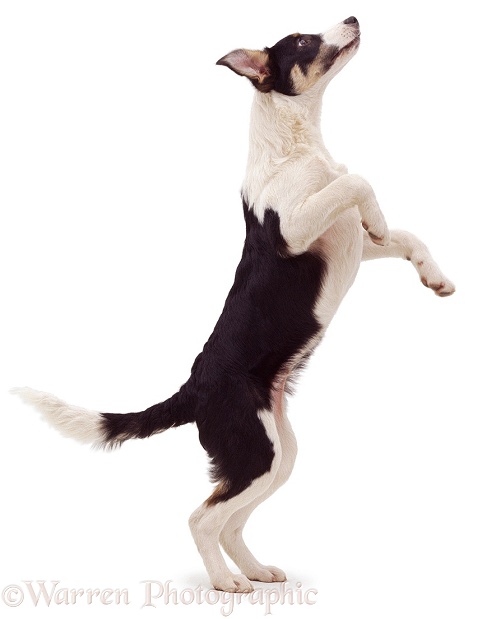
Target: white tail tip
<point x="78" y="423"/>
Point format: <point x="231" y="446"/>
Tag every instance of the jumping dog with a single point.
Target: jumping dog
<point x="309" y="224"/>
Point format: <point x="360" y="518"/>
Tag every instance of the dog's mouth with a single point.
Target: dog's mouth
<point x="350" y="47"/>
<point x="335" y="52"/>
<point x="352" y="44"/>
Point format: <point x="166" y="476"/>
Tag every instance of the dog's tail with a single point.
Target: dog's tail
<point x="107" y="430"/>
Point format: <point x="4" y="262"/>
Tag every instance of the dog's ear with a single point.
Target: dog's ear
<point x="253" y="64"/>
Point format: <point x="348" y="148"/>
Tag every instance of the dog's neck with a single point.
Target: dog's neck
<point x="281" y="124"/>
<point x="282" y="128"/>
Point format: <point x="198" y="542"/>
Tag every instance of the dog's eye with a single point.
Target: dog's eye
<point x="302" y="41"/>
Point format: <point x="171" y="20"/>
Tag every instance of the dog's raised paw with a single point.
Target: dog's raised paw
<point x="432" y="277"/>
<point x="442" y="288"/>
<point x="233" y="583"/>
<point x="267" y="573"/>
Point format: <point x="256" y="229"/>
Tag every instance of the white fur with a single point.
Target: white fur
<point x="340" y="34"/>
<point x="71" y="421"/>
<point x="287" y="159"/>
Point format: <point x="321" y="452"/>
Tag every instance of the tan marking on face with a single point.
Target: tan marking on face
<point x="302" y="81"/>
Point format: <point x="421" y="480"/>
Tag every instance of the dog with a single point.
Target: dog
<point x="309" y="224"/>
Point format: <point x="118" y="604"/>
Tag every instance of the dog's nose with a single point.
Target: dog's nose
<point x="351" y="20"/>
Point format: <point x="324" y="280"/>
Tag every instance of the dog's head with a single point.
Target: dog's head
<point x="299" y="61"/>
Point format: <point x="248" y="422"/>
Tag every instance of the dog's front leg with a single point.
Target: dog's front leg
<point x="307" y="221"/>
<point x="407" y="246"/>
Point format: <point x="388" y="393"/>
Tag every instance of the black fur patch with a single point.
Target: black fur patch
<point x="176" y="411"/>
<point x="267" y="319"/>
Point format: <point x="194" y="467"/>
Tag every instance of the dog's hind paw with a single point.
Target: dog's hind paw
<point x="233" y="583"/>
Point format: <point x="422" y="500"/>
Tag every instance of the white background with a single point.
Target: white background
<point x="122" y="152"/>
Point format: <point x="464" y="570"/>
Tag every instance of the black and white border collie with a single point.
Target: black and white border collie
<point x="309" y="224"/>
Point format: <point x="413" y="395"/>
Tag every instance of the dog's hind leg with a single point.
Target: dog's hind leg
<point x="232" y="534"/>
<point x="233" y="493"/>
<point x="407" y="246"/>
